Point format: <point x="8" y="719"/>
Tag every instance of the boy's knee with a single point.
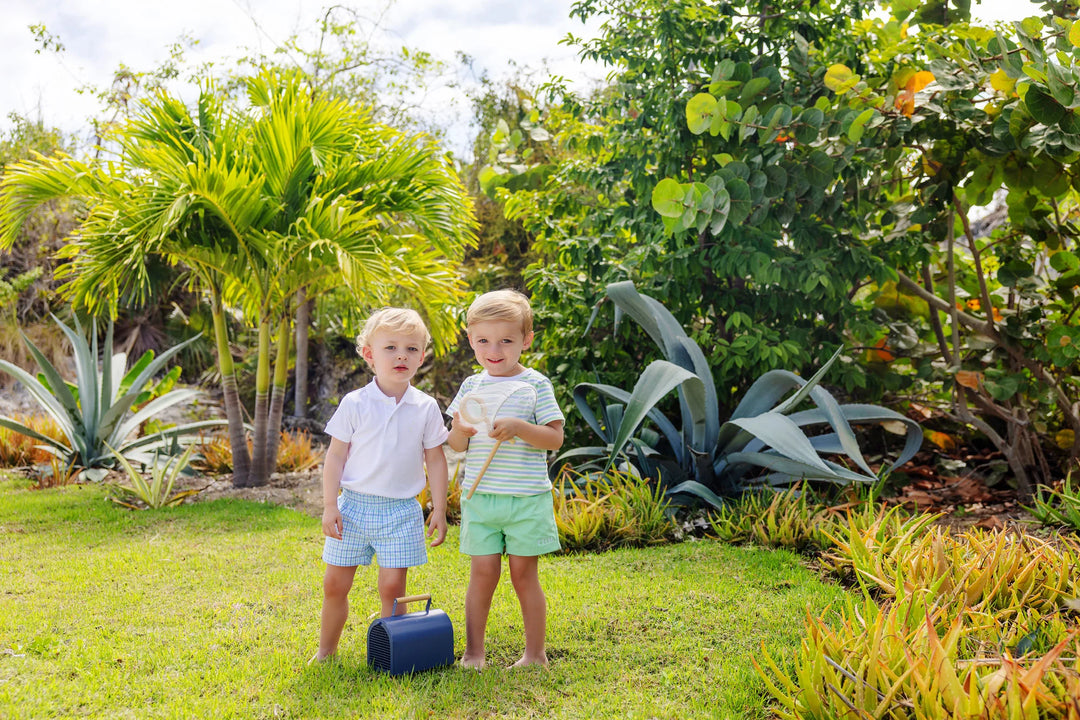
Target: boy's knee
<point x="336" y="583"/>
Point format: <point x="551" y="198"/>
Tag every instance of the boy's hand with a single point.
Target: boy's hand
<point x="331" y="522"/>
<point x="461" y="426"/>
<point x="506" y="428"/>
<point x="437" y="526"/>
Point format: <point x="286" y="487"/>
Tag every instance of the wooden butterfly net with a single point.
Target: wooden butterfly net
<point x="480" y="408"/>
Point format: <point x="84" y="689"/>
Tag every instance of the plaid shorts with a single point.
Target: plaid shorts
<point x="391" y="529"/>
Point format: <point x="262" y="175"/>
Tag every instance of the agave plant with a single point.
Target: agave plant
<point x="101" y="409"/>
<point x="763" y="443"/>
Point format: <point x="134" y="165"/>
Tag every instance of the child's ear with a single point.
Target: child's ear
<point x="365" y="352"/>
<point x="528" y="340"/>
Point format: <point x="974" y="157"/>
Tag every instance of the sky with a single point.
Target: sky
<point x="101" y="35"/>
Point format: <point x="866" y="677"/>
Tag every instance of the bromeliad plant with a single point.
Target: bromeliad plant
<point x="763" y="442"/>
<point x="1057" y="507"/>
<point x="158" y="491"/>
<point x="104" y="407"/>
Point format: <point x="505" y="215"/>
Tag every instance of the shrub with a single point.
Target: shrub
<point x="762" y="444"/>
<point x="1057" y="507"/>
<point x="612" y="510"/>
<point x="158" y="492"/>
<point x="295" y="453"/>
<point x="18" y="450"/>
<point x="105" y="407"/>
<point x="215" y="454"/>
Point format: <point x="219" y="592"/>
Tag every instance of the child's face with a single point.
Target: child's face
<point x="498" y="345"/>
<point x="394" y="356"/>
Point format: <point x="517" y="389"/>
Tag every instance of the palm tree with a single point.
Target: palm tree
<point x="298" y="191"/>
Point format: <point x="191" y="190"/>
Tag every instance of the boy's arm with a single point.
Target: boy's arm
<point x="333" y="466"/>
<point x="545" y="437"/>
<point x="438" y="482"/>
<point x="460" y="432"/>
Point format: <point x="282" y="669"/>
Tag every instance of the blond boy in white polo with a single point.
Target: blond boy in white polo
<point x="382" y="436"/>
<point x="512" y="510"/>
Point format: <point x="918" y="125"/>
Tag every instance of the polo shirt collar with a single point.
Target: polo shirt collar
<point x="412" y="396"/>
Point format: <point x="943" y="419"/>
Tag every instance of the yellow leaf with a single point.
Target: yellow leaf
<point x="1064" y="439"/>
<point x="920" y="80"/>
<point x="969" y="379"/>
<point x="1074" y="34"/>
<point x="942" y="440"/>
<point x="837" y="76"/>
<point x="1001" y="82"/>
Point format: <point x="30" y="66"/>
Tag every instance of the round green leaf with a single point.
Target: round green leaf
<point x="819" y="169"/>
<point x="700" y="111"/>
<point x="858" y="125"/>
<point x="1064" y="260"/>
<point x="777" y="181"/>
<point x="1070" y="123"/>
<point x="739" y="194"/>
<point x="1043" y="107"/>
<point x="721" y="209"/>
<point x="667" y="198"/>
<point x="808" y="125"/>
<point x="1013" y="271"/>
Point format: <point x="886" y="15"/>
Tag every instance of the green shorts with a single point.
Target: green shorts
<point x="522" y="525"/>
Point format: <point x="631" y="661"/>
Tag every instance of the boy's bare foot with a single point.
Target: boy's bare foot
<point x="526" y="661"/>
<point x="473" y="663"/>
<point x="320" y="658"/>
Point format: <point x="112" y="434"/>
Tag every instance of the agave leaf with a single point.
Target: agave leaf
<point x="580" y="392"/>
<point x="30" y="432"/>
<point x="669" y="336"/>
<point x="86" y="374"/>
<point x="699" y="402"/>
<point x="159" y="439"/>
<point x="797" y="469"/>
<point x="118" y="363"/>
<point x="152" y="408"/>
<point x="152" y="368"/>
<point x="48" y="402"/>
<point x="778" y="432"/>
<point x="858" y="413"/>
<point x="764" y="394"/>
<point x="827" y="403"/>
<point x="129" y="377"/>
<point x="136" y="387"/>
<point x="693" y="487"/>
<point x="588" y="451"/>
<point x="62" y="395"/>
<point x="627" y="299"/>
<point x="108" y="369"/>
<point x="657" y="380"/>
<point x="659" y="419"/>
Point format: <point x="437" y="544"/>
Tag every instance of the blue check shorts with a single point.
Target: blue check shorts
<point x="390" y="529"/>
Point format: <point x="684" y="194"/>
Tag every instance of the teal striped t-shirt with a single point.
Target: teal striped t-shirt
<point x="517" y="468"/>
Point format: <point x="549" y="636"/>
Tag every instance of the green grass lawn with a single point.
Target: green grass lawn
<point x="211" y="610"/>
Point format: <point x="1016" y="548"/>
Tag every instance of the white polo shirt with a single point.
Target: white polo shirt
<point x="386" y="440"/>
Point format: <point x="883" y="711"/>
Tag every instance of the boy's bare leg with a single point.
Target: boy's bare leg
<point x="335" y="610"/>
<point x="525" y="574"/>
<point x="483" y="579"/>
<point x="392" y="585"/>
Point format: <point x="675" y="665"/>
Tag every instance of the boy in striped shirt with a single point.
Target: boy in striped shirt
<point x="512" y="510"/>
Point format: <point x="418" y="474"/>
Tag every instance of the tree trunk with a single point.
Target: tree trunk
<point x="277" y="398"/>
<point x="259" y="461"/>
<point x="231" y="397"/>
<point x="303" y="320"/>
